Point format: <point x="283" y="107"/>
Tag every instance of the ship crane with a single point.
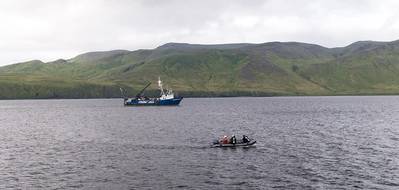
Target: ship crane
<point x="141" y="92"/>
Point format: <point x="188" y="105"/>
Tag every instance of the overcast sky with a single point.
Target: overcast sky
<point x="49" y="29"/>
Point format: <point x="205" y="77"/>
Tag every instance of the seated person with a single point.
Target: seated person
<point x="233" y="140"/>
<point x="245" y="139"/>
<point x="225" y="140"/>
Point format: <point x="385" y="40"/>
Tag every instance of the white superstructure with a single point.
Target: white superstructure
<point x="165" y="96"/>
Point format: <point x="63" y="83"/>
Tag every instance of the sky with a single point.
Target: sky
<point x="48" y="30"/>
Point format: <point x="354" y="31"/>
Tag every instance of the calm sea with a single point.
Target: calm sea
<point x="303" y="143"/>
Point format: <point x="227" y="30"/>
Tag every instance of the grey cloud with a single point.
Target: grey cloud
<point x="49" y="30"/>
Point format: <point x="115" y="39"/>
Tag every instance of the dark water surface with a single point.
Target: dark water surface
<point x="303" y="143"/>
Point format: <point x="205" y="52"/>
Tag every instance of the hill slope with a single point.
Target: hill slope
<point x="274" y="68"/>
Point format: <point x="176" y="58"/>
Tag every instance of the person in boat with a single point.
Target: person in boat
<point x="233" y="140"/>
<point x="224" y="140"/>
<point x="245" y="139"/>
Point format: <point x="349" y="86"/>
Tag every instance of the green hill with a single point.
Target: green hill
<point x="267" y="69"/>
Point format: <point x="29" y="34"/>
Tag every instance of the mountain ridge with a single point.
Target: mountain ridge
<point x="265" y="69"/>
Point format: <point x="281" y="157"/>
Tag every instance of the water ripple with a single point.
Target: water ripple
<point x="303" y="143"/>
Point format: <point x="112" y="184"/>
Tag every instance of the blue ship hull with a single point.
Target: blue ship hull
<point x="154" y="102"/>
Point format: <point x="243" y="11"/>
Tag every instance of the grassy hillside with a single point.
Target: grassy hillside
<point x="273" y="68"/>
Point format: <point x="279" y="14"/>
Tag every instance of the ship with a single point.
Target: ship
<point x="166" y="98"/>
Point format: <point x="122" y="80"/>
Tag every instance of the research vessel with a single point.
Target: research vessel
<point x="166" y="98"/>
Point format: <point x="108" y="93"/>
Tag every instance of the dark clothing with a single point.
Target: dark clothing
<point x="233" y="140"/>
<point x="245" y="139"/>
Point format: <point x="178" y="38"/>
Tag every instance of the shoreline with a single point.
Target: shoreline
<point x="200" y="97"/>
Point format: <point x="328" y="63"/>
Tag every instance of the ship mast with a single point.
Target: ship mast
<point x="160" y="86"/>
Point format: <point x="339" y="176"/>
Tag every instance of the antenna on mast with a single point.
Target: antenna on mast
<point x="160" y="85"/>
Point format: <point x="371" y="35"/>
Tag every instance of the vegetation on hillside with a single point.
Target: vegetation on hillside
<point x="267" y="69"/>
